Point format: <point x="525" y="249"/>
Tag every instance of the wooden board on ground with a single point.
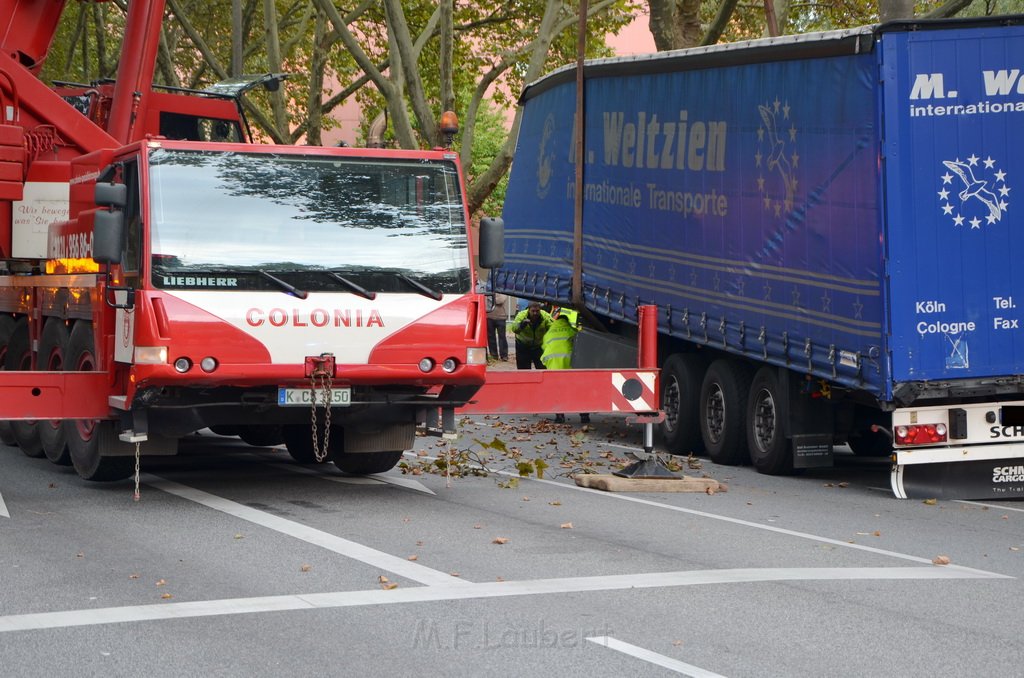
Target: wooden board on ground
<point x="612" y="483"/>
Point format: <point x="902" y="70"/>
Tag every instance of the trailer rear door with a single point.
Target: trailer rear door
<point x="954" y="173"/>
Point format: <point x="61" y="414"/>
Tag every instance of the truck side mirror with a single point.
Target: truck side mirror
<point x="492" y="242"/>
<point x="111" y="194"/>
<point x="107" y="236"/>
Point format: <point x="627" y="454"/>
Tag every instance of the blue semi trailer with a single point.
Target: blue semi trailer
<point x="829" y="226"/>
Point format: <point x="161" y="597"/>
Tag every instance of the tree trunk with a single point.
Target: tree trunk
<point x="890" y="10"/>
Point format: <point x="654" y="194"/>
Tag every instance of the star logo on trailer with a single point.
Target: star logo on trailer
<point x="776" y="180"/>
<point x="973" y="193"/>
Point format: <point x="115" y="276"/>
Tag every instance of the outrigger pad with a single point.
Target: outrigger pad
<point x="986" y="479"/>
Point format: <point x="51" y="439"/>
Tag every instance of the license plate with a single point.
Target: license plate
<point x="340" y="397"/>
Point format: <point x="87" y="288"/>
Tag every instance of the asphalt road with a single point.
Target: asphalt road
<point x="237" y="562"/>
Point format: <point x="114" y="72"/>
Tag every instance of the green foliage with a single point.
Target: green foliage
<point x="488" y="139"/>
<point x="527" y="467"/>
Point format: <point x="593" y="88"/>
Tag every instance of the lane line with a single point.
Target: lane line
<point x="365" y="554"/>
<point x="3" y="508"/>
<point x="991" y="506"/>
<point x="653" y="657"/>
<point x="407" y="483"/>
<point x="742" y="522"/>
<point x="453" y="591"/>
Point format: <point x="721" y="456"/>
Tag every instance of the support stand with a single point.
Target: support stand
<point x="647" y="464"/>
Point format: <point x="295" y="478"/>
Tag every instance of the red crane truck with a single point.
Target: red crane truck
<point x="163" y="275"/>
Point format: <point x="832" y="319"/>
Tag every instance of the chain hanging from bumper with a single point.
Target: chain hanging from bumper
<point x="321" y="379"/>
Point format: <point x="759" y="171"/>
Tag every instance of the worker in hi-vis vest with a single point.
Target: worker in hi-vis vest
<point x="557" y="347"/>
<point x="529" y="327"/>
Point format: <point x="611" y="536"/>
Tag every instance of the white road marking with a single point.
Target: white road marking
<point x="745" y="523"/>
<point x="999" y="507"/>
<point x="454" y="590"/>
<point x="653" y="657"/>
<point x="739" y="521"/>
<point x="3" y="508"/>
<point x="407" y="483"/>
<point x="393" y="564"/>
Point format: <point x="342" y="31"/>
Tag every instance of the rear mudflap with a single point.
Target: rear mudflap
<point x="980" y="479"/>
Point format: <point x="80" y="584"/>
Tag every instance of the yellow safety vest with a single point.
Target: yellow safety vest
<point x="558" y="340"/>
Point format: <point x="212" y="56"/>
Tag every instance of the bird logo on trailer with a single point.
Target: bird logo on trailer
<point x="972" y="193"/>
<point x="775" y="131"/>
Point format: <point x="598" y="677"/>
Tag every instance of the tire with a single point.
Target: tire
<point x="723" y="405"/>
<point x="19" y="357"/>
<point x="681" y="379"/>
<point x="83" y="435"/>
<point x="364" y="463"/>
<point x="298" y="440"/>
<point x="770" y="451"/>
<point x="53" y="345"/>
<point x="6" y="330"/>
<point x="263" y="435"/>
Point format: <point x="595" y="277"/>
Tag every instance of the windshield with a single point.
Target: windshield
<point x="228" y="219"/>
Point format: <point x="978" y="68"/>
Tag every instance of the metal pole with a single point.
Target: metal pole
<point x="580" y="140"/>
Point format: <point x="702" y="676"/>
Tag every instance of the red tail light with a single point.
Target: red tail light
<point x="921" y="434"/>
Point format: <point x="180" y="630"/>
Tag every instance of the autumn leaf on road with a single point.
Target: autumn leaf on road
<point x="566" y="526"/>
<point x="500" y="540"/>
<point x="941" y="560"/>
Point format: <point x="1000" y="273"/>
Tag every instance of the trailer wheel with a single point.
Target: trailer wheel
<point x="363" y="463"/>
<point x="681" y="379"/>
<point x="298" y="440"/>
<point x="83" y="435"/>
<point x="769" y="448"/>
<point x="262" y="435"/>
<point x="19" y="357"/>
<point x="723" y="402"/>
<point x="53" y="345"/>
<point x="6" y="330"/>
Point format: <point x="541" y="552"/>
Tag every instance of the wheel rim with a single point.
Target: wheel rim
<point x="55" y="363"/>
<point x="715" y="413"/>
<point x="670" y="404"/>
<point x="86" y="427"/>
<point x="764" y="420"/>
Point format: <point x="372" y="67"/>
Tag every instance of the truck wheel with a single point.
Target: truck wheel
<point x="262" y="435"/>
<point x="363" y="463"/>
<point x="769" y="448"/>
<point x="83" y="435"/>
<point x="6" y="330"/>
<point x="298" y="440"/>
<point x="723" y="402"/>
<point x="681" y="379"/>
<point x="53" y="345"/>
<point x="19" y="357"/>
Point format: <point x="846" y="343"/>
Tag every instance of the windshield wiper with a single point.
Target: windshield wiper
<point x="420" y="287"/>
<point x="352" y="285"/>
<point x="285" y="286"/>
